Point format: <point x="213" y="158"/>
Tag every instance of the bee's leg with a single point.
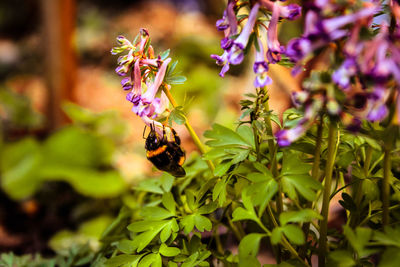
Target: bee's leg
<point x="144" y="130"/>
<point x="165" y="139"/>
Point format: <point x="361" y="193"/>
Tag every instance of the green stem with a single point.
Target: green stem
<point x="314" y="174"/>
<point x="190" y="129"/>
<point x="358" y="190"/>
<point x="272" y="154"/>
<point x="386" y="186"/>
<point x="325" y="200"/>
<point x="377" y="213"/>
<point x="285" y="242"/>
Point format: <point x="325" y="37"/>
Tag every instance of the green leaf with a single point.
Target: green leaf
<point x="164" y="54"/>
<point x="241" y="155"/>
<point x="214" y="153"/>
<point x="156" y="213"/>
<point x="19" y="168"/>
<point x="390" y="258"/>
<point x="169" y="202"/>
<point x="247" y="134"/>
<point x="190" y="199"/>
<point x="276" y="235"/>
<point x="89" y="150"/>
<point x="358" y="239"/>
<point x="176" y="79"/>
<point x="300" y="216"/>
<point x="292" y="164"/>
<point x="342" y="258"/>
<point x="348" y="202"/>
<point x="153" y="259"/>
<point x="243" y="214"/>
<point x="126" y="246"/>
<point x="208" y="208"/>
<point x="250" y="244"/>
<point x="390" y="237"/>
<point x="187" y="223"/>
<point x="275" y="118"/>
<point x="262" y="193"/>
<point x="222" y="168"/>
<point x="108" y="183"/>
<point x="248" y="261"/>
<point x="149" y="228"/>
<point x="305" y="185"/>
<point x="257" y="177"/>
<point x="219" y="191"/>
<point x="223" y="136"/>
<point x="169" y="228"/>
<point x="120" y="260"/>
<point x="172" y="264"/>
<point x="294" y="234"/>
<point x="168" y="251"/>
<point x="167" y="181"/>
<point x="202" y="223"/>
<point x="150" y="185"/>
<point x="177" y="115"/>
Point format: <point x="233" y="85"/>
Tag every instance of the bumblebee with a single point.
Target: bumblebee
<point x="165" y="151"/>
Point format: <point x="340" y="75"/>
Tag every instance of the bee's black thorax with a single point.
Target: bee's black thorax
<point x="165" y="152"/>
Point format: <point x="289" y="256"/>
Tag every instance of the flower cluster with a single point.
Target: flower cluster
<point x="369" y="62"/>
<point x="143" y="76"/>
<point x="234" y="42"/>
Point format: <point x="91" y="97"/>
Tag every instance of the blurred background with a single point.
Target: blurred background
<point x="70" y="147"/>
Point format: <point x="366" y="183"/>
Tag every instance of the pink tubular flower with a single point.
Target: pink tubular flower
<point x="147" y="74"/>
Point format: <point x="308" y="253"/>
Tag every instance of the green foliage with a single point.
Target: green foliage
<point x="26" y="164"/>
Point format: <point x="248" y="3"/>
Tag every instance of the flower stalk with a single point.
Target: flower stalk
<point x="315" y="176"/>
<point x="386" y="187"/>
<point x="190" y="129"/>
<point x="272" y="154"/>
<point x="332" y="136"/>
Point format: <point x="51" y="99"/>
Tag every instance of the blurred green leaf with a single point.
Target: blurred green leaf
<point x="168" y="251"/>
<point x="300" y="216"/>
<point x="121" y="260"/>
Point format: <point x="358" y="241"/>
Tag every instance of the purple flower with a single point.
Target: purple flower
<point x="260" y="68"/>
<point x="299" y="98"/>
<point x="126" y="84"/>
<point x="222" y="61"/>
<point x="298" y="48"/>
<point x="274" y="47"/>
<point x="122" y="70"/>
<point x="152" y="89"/>
<point x="287" y="136"/>
<point x="235" y="55"/>
<point x="343" y="74"/>
<point x="222" y="24"/>
<point x="377" y="113"/>
<point x="291" y="12"/>
<point x="226" y="43"/>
